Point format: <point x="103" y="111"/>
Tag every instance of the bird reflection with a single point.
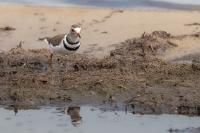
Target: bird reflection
<point x="15" y="110"/>
<point x="74" y="113"/>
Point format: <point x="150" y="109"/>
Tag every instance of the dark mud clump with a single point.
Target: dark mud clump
<point x="187" y="130"/>
<point x="132" y="75"/>
<point x="7" y="28"/>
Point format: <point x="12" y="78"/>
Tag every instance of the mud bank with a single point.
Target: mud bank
<point x="132" y="76"/>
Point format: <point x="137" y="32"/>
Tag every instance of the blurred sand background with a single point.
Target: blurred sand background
<point x="102" y="28"/>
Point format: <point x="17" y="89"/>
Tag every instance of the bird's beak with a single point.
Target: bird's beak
<point x="78" y="30"/>
<point x="79" y="35"/>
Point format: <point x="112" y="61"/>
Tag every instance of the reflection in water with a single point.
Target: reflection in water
<point x="14" y="108"/>
<point x="93" y="120"/>
<point x="74" y="113"/>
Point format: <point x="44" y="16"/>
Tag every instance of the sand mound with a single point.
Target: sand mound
<point x="132" y="73"/>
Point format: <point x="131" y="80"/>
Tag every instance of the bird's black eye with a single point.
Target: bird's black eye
<point x="73" y="30"/>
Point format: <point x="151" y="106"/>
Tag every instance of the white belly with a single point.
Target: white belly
<point x="60" y="49"/>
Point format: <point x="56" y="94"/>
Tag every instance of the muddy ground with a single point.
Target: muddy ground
<point x="132" y="76"/>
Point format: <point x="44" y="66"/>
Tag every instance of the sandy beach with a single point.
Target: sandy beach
<point x="102" y="28"/>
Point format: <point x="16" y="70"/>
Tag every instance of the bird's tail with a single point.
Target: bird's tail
<point x="45" y="39"/>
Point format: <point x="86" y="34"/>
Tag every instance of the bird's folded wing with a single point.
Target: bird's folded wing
<point x="56" y="39"/>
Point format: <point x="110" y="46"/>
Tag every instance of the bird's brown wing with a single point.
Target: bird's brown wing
<point x="56" y="39"/>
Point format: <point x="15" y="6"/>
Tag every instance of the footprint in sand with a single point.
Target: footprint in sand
<point x="7" y="28"/>
<point x="104" y="32"/>
<point x="43" y="19"/>
<point x="96" y="30"/>
<point x="54" y="30"/>
<point x="93" y="45"/>
<point x="104" y="19"/>
<point x="38" y="14"/>
<point x="43" y="32"/>
<point x="41" y="15"/>
<point x="57" y="22"/>
<point x="43" y="27"/>
<point x="6" y="31"/>
<point x="192" y="24"/>
<point x="35" y="14"/>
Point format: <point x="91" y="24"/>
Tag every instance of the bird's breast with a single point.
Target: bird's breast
<point x="64" y="47"/>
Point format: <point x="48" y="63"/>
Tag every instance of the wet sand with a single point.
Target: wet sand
<point x="132" y="76"/>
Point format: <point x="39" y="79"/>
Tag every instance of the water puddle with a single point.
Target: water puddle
<point x="92" y="120"/>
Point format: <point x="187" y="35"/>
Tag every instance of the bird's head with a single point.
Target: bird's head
<point x="76" y="29"/>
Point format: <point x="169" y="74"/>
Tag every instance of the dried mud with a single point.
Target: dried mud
<point x="132" y="76"/>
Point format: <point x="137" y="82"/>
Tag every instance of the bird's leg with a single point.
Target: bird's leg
<point x="51" y="59"/>
<point x="58" y="59"/>
<point x="74" y="55"/>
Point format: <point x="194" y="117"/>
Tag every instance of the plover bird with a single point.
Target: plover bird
<point x="74" y="113"/>
<point x="65" y="43"/>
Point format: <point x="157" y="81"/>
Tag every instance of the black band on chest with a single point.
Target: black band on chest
<point x="72" y="43"/>
<point x="70" y="49"/>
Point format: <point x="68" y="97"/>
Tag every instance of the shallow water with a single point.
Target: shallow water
<point x="175" y="4"/>
<point x="92" y="120"/>
<point x="192" y="2"/>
